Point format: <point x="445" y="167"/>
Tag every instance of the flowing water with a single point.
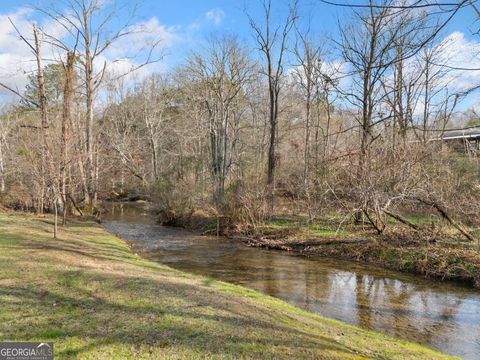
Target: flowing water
<point x="442" y="316"/>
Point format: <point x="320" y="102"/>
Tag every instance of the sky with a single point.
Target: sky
<point x="184" y="25"/>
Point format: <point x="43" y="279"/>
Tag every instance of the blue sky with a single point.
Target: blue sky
<point x="185" y="24"/>
<point x="191" y="18"/>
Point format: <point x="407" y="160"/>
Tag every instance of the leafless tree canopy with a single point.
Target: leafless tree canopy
<point x="360" y="125"/>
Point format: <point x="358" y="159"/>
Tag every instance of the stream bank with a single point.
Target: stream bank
<point x="428" y="260"/>
<point x="436" y="255"/>
<point x="441" y="315"/>
<point x="87" y="292"/>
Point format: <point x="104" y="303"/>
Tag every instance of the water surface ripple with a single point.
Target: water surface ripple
<point x="443" y="316"/>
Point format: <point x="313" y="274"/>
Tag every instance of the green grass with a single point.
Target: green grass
<point x="282" y="222"/>
<point x="422" y="220"/>
<point x="327" y="231"/>
<point x="95" y="299"/>
<point x="299" y="225"/>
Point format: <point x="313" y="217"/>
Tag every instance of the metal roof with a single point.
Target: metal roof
<point x="471" y="133"/>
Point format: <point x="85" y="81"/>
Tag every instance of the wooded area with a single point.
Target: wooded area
<point x="247" y="132"/>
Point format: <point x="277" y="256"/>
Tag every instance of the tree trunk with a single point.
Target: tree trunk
<point x="55" y="220"/>
<point x="306" y="153"/>
<point x="426" y="99"/>
<point x="89" y="90"/>
<point x="66" y="119"/>
<point x="272" y="151"/>
<point x="89" y="168"/>
<point x="44" y="118"/>
<point x="2" y="170"/>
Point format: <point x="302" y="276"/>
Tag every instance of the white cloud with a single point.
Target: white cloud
<point x="454" y="69"/>
<point x="9" y="42"/>
<point x="17" y="60"/>
<point x="143" y="36"/>
<point x="459" y="52"/>
<point x="456" y="62"/>
<point x="15" y="56"/>
<point x="147" y="38"/>
<point x="215" y="15"/>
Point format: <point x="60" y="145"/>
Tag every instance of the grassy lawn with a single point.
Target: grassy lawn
<point x="94" y="298"/>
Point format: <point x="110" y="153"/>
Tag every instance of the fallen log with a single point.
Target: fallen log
<point x="296" y="245"/>
<point x="402" y="220"/>
<point x="327" y="242"/>
<point x="444" y="214"/>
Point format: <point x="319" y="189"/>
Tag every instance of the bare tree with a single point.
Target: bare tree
<point x="158" y="97"/>
<point x="367" y="46"/>
<point x="68" y="92"/>
<point x="308" y="75"/>
<point x="272" y="40"/>
<point x="122" y="127"/>
<point x="6" y="125"/>
<point x="372" y="46"/>
<point x="90" y="22"/>
<point x="220" y="75"/>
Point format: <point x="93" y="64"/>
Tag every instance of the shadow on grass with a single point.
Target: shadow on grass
<point x="125" y="307"/>
<point x="115" y="310"/>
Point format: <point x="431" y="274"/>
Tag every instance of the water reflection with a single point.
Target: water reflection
<point x="442" y="316"/>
